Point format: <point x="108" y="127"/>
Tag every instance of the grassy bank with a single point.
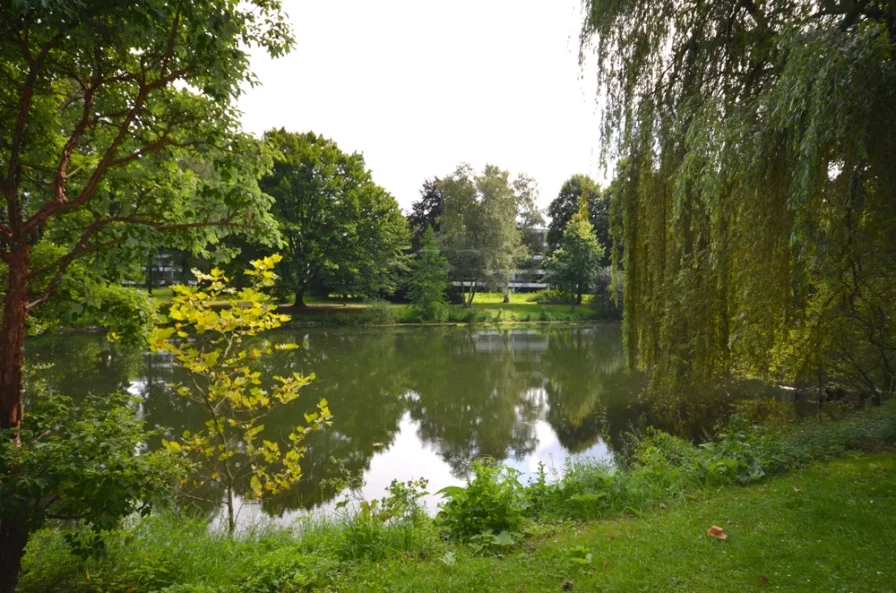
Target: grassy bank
<point x="807" y="508"/>
<point x="826" y="528"/>
<point x="487" y="308"/>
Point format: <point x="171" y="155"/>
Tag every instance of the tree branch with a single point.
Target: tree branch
<point x="10" y="183"/>
<point x="57" y="206"/>
<point x="82" y="247"/>
<point x="61" y="173"/>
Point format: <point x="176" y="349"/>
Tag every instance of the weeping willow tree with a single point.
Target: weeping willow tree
<point x="755" y="144"/>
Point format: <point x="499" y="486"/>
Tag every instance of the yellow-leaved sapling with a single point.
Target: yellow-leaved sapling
<point x="217" y="346"/>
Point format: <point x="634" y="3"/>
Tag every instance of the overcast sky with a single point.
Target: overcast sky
<point x="420" y="86"/>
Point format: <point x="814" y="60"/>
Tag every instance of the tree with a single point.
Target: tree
<point x="78" y="462"/>
<point x="425" y="212"/>
<point x="212" y="345"/>
<point x="574" y="265"/>
<point x="479" y="228"/>
<point x="530" y="218"/>
<point x="340" y="229"/>
<point x="756" y="187"/>
<point x="566" y="204"/>
<point x="429" y="274"/>
<point x="117" y="122"/>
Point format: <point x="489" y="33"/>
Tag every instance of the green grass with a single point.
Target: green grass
<point x="831" y="527"/>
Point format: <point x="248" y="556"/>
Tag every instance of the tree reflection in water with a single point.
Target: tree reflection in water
<point x="464" y="392"/>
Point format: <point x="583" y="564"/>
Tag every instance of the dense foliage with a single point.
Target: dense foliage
<point x="479" y="230"/>
<point x="756" y="186"/>
<point x="429" y="279"/>
<point x="118" y="134"/>
<point x="574" y="264"/>
<point x="82" y="463"/>
<point x="568" y="202"/>
<point x="425" y="212"/>
<point x="341" y="231"/>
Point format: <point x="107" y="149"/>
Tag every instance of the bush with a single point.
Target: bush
<point x="459" y="315"/>
<point x="492" y="501"/>
<point x="378" y="312"/>
<point x="823" y="437"/>
<point x="394" y="523"/>
<point x="548" y="297"/>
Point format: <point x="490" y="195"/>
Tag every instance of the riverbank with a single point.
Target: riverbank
<point x="827" y="525"/>
<point x="486" y="308"/>
<point x="830" y="527"/>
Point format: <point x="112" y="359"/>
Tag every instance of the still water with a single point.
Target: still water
<point x="420" y="402"/>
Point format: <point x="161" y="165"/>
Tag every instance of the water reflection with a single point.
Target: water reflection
<point x="414" y="402"/>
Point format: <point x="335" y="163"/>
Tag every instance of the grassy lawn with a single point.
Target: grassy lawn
<point x="831" y="527"/>
<point x="491" y="306"/>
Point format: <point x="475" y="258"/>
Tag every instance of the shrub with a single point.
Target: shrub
<point x="742" y="451"/>
<point x="822" y="437"/>
<point x="492" y="501"/>
<point x="548" y="297"/>
<point x="284" y="570"/>
<point x="378" y="312"/>
<point x="393" y="523"/>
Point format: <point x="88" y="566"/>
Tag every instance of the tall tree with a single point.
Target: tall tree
<point x="573" y="266"/>
<point x="758" y="192"/>
<point x="566" y="204"/>
<point x="479" y="228"/>
<point x="429" y="279"/>
<point x="530" y="218"/>
<point x="425" y="212"/>
<point x="340" y="229"/>
<point x="117" y="121"/>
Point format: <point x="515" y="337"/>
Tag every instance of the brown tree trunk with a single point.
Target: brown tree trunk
<point x="13" y="537"/>
<point x="12" y="339"/>
<point x="13" y="530"/>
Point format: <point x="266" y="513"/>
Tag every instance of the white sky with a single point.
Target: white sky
<point x="420" y="86"/>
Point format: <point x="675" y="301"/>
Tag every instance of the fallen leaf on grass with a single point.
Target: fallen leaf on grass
<point x="662" y="506"/>
<point x="797" y="490"/>
<point x="606" y="563"/>
<point x="567" y="585"/>
<point x="764" y="580"/>
<point x="717" y="532"/>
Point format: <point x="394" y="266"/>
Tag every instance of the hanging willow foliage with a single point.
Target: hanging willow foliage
<point x="755" y="144"/>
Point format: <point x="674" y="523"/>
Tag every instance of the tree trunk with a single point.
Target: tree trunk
<point x="12" y="339"/>
<point x="13" y="530"/>
<point x="507" y="296"/>
<point x="13" y="537"/>
<point x="149" y="277"/>
<point x="578" y="298"/>
<point x="468" y="304"/>
<point x="300" y="299"/>
<point x="231" y="520"/>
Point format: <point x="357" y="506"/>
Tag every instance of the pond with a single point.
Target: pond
<point x="421" y="402"/>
